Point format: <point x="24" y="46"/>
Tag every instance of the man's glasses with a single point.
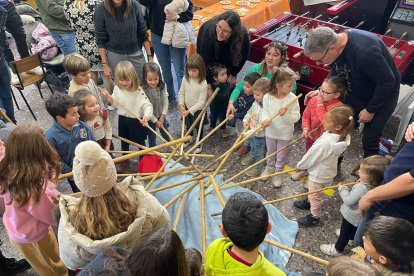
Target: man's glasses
<point x="220" y="29"/>
<point x="324" y="55"/>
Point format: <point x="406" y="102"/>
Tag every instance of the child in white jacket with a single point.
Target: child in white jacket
<point x="371" y="175"/>
<point x="252" y="120"/>
<point x="322" y="158"/>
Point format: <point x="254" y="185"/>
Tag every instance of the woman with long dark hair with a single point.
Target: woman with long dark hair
<point x="223" y="39"/>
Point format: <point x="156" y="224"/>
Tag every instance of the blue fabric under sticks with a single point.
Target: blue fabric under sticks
<point x="189" y="226"/>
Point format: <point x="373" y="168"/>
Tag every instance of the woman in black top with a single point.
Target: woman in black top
<point x="223" y="39"/>
<point x="121" y="32"/>
<point x="167" y="53"/>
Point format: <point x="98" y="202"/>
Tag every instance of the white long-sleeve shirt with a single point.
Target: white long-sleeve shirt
<point x="192" y="94"/>
<point x="136" y="102"/>
<point x="101" y="128"/>
<point x="281" y="127"/>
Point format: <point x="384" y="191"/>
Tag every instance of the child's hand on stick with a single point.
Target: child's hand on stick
<point x="160" y="121"/>
<point x="305" y="133"/>
<point x="246" y="125"/>
<point x="282" y="111"/>
<point x="265" y="123"/>
<point x="144" y="121"/>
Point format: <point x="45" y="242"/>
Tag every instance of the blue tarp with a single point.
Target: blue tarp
<point x="189" y="226"/>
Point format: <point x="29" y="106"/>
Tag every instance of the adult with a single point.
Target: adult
<point x="120" y="32"/>
<point x="5" y="89"/>
<point x="372" y="79"/>
<point x="276" y="54"/>
<point x="79" y="14"/>
<point x="158" y="253"/>
<point x="107" y="213"/>
<point x="167" y="53"/>
<point x="223" y="39"/>
<point x="395" y="197"/>
<point x="53" y="16"/>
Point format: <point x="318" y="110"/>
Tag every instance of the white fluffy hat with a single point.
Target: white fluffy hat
<point x="94" y="171"/>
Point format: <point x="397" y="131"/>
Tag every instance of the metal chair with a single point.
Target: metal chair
<point x="23" y="69"/>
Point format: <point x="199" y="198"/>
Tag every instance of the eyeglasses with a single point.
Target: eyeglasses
<point x="325" y="92"/>
<point x="220" y="29"/>
<point x="324" y="55"/>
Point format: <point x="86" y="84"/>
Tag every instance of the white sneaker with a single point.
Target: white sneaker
<point x="14" y="77"/>
<point x="330" y="250"/>
<point x="198" y="149"/>
<point x="266" y="172"/>
<point x="338" y="232"/>
<point x="277" y="181"/>
<point x="298" y="174"/>
<point x="37" y="71"/>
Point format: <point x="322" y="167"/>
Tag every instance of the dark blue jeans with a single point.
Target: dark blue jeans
<point x="5" y="91"/>
<point x="14" y="26"/>
<point x="217" y="114"/>
<point x="257" y="149"/>
<point x="152" y="137"/>
<point x="385" y="208"/>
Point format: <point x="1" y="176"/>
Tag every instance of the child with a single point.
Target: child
<point x="389" y="242"/>
<point x="129" y="97"/>
<point x="28" y="174"/>
<point x="194" y="262"/>
<point x="242" y="105"/>
<point x="218" y="106"/>
<point x="156" y="92"/>
<point x="321" y="160"/>
<point x="346" y="266"/>
<point x="252" y="120"/>
<point x="91" y="114"/>
<point x="371" y="174"/>
<point x="314" y="114"/>
<point x="106" y="213"/>
<point x="160" y="252"/>
<point x="279" y="131"/>
<point x="66" y="131"/>
<point x="79" y="70"/>
<point x="193" y="94"/>
<point x="245" y="223"/>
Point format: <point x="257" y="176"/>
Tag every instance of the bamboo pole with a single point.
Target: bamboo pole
<point x="219" y="195"/>
<point x="160" y="169"/>
<point x="180" y="194"/>
<point x="182" y="135"/>
<point x="201" y="141"/>
<point x="177" y="216"/>
<point x="267" y="157"/>
<point x="200" y="128"/>
<point x="203" y="220"/>
<point x="298" y="195"/>
<point x="137" y="145"/>
<point x="298" y="252"/>
<point x="197" y="178"/>
<point x="256" y="129"/>
<point x="138" y="153"/>
<point x="5" y="117"/>
<point x="148" y="177"/>
<point x="202" y="155"/>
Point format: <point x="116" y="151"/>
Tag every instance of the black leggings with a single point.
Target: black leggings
<point x="131" y="129"/>
<point x="347" y="233"/>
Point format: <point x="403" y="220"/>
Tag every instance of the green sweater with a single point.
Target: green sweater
<point x="53" y="15"/>
<point x="254" y="69"/>
<point x="219" y="262"/>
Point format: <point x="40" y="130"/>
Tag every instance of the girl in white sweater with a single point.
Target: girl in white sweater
<point x="129" y="98"/>
<point x="279" y="131"/>
<point x="371" y="175"/>
<point x="321" y="160"/>
<point x="193" y="94"/>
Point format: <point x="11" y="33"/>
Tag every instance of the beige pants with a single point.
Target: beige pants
<point x="43" y="255"/>
<point x="316" y="198"/>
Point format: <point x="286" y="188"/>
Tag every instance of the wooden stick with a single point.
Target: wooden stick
<point x="197" y="178"/>
<point x="180" y="194"/>
<point x="200" y="128"/>
<point x="267" y="157"/>
<point x="177" y="216"/>
<point x="139" y="153"/>
<point x="219" y="195"/>
<point x="177" y="154"/>
<point x="5" y="117"/>
<point x="297" y="252"/>
<point x="299" y="195"/>
<point x="175" y="171"/>
<point x="182" y="135"/>
<point x="202" y="140"/>
<point x="160" y="169"/>
<point x="137" y="145"/>
<point x="203" y="220"/>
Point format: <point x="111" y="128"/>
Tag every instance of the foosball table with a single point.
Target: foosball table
<point x="292" y="30"/>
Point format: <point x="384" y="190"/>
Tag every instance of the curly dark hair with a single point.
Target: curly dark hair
<point x="238" y="34"/>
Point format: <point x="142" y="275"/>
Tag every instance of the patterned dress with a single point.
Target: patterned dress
<point x="80" y="15"/>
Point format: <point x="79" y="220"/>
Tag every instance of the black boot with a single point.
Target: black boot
<point x="9" y="266"/>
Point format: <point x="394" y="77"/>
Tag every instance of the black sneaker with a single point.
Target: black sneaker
<point x="302" y="204"/>
<point x="308" y="221"/>
<point x="9" y="266"/>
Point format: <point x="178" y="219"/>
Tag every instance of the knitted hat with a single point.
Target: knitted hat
<point x="94" y="171"/>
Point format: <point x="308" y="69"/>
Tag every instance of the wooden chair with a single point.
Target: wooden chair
<point x="22" y="69"/>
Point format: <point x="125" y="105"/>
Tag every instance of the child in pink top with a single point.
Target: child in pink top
<point x="314" y="114"/>
<point x="26" y="171"/>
